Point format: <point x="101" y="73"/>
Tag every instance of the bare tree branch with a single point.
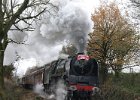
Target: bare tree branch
<point x="16" y="15"/>
<point x="30" y="17"/>
<point x="28" y="28"/>
<point x="12" y="41"/>
<point x="136" y="3"/>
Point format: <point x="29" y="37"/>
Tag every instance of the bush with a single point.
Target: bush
<point x="126" y="87"/>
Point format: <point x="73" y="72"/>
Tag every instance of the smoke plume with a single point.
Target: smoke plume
<point x="72" y="23"/>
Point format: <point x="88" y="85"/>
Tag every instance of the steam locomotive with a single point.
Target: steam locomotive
<point x="79" y="73"/>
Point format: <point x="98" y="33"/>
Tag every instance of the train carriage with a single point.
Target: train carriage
<point x="33" y="77"/>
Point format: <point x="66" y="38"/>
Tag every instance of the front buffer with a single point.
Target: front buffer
<point x="81" y="92"/>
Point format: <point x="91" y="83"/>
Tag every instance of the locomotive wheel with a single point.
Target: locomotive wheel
<point x="78" y="98"/>
<point x="82" y="98"/>
<point x="67" y="98"/>
<point x="89" y="98"/>
<point x="71" y="98"/>
<point x="75" y="98"/>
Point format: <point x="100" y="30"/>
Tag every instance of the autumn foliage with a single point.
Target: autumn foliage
<point x="113" y="38"/>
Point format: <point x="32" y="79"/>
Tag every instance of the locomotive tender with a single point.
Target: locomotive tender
<point x="80" y="74"/>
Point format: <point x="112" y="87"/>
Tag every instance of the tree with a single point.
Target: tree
<point x="69" y="49"/>
<point x="12" y="14"/>
<point x="8" y="71"/>
<point x="134" y="5"/>
<point x="112" y="39"/>
<point x="135" y="14"/>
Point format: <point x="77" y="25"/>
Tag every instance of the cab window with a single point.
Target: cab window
<point x="61" y="66"/>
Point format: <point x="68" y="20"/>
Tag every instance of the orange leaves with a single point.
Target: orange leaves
<point x="113" y="37"/>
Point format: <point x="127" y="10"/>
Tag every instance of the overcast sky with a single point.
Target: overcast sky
<point x="44" y="44"/>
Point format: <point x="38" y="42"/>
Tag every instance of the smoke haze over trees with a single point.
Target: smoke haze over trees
<point x="69" y="49"/>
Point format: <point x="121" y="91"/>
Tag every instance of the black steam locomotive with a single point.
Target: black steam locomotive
<point x="80" y="75"/>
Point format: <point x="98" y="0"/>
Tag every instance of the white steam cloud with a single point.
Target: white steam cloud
<point x="39" y="89"/>
<point x="61" y="92"/>
<point x="72" y="23"/>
